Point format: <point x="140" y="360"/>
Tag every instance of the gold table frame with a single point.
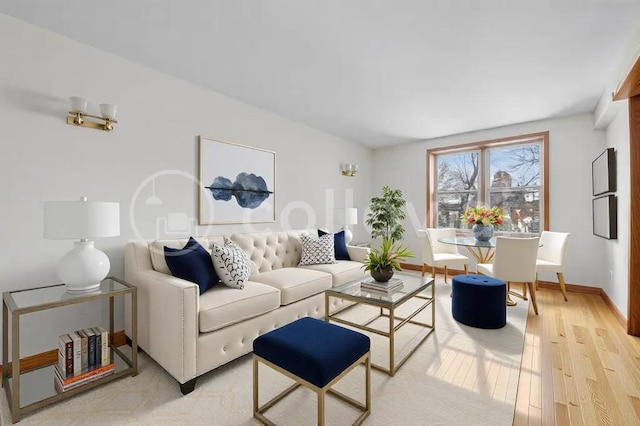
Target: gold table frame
<point x="9" y="305"/>
<point x="387" y="310"/>
<point x="321" y="393"/>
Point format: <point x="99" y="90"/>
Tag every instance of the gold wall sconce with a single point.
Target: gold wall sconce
<point x="349" y="169"/>
<point x="78" y="114"/>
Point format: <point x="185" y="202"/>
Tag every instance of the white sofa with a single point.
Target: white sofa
<point x="190" y="334"/>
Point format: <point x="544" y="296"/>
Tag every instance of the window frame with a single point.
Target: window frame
<point x="483" y="146"/>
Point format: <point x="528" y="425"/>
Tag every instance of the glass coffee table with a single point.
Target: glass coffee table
<point x="412" y="288"/>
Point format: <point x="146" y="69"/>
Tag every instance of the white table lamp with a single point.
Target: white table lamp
<point x="350" y="218"/>
<point x="84" y="266"/>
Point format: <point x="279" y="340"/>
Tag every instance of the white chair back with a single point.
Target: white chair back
<point x="515" y="259"/>
<point x="553" y="246"/>
<point x="425" y="246"/>
<point x="436" y="233"/>
<point x="430" y="244"/>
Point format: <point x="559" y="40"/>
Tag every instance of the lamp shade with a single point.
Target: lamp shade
<point x="351" y="216"/>
<point x="81" y="219"/>
<point x="84" y="267"/>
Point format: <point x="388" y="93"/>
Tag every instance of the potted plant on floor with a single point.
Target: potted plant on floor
<point x="385" y="219"/>
<point x="387" y="214"/>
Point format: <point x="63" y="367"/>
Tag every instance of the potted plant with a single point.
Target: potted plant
<point x="384" y="260"/>
<point x="386" y="215"/>
<point x="483" y="219"/>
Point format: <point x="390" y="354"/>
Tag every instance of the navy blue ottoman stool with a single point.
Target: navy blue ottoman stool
<point x="316" y="355"/>
<point x="479" y="301"/>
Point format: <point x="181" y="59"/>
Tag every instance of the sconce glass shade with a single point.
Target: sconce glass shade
<point x="84" y="266"/>
<point x="78" y="104"/>
<point x="349" y="169"/>
<point x="108" y="111"/>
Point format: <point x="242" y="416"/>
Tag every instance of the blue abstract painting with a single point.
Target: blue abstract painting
<point x="238" y="183"/>
<point x="250" y="190"/>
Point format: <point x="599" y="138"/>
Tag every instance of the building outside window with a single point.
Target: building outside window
<point x="509" y="173"/>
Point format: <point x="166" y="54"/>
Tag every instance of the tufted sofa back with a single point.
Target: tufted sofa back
<point x="271" y="250"/>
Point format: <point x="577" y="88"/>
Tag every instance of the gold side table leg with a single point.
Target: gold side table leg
<point x="15" y="364"/>
<point x="5" y="342"/>
<point x="134" y="331"/>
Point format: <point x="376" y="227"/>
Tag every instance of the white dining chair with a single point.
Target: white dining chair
<point x="553" y="246"/>
<point x="440" y="255"/>
<point x="514" y="261"/>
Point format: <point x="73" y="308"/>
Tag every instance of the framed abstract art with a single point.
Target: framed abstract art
<point x="237" y="183"/>
<point x="605" y="217"/>
<point x="603" y="172"/>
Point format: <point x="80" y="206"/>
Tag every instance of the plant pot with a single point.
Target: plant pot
<point x="482" y="232"/>
<point x="382" y="275"/>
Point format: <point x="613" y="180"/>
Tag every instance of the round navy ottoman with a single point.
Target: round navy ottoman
<point x="479" y="301"/>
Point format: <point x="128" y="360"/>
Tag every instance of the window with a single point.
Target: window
<point x="509" y="173"/>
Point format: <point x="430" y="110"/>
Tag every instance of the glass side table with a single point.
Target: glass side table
<point x="31" y="389"/>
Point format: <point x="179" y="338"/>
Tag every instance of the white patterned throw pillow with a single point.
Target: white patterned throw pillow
<point x="231" y="264"/>
<point x="317" y="250"/>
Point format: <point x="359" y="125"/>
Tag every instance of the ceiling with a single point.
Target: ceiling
<point x="376" y="72"/>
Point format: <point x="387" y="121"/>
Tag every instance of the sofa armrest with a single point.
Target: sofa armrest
<point x="167" y="317"/>
<point x="357" y="253"/>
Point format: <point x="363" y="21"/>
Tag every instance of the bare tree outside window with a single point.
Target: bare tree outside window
<point x="457" y="187"/>
<point x="515" y="186"/>
<point x="492" y="174"/>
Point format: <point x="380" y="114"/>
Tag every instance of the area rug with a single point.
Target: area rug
<point x="459" y="376"/>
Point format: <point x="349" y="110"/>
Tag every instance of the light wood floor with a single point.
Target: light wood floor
<point x="579" y="367"/>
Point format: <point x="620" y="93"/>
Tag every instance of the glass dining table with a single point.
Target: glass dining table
<point x="482" y="252"/>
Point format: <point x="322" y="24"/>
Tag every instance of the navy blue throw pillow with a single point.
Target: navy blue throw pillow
<point x="339" y="245"/>
<point x="192" y="263"/>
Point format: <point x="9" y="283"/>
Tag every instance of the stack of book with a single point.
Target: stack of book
<point x="73" y="382"/>
<point x="389" y="286"/>
<point x="83" y="356"/>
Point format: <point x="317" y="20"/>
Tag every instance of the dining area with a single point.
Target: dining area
<point x="515" y="259"/>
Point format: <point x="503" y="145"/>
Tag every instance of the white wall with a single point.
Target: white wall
<point x="160" y="117"/>
<point x="573" y="144"/>
<point x="613" y="116"/>
<point x="617" y="251"/>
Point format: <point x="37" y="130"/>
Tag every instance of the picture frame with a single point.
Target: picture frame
<point x="605" y="217"/>
<point x="237" y="183"/>
<point x="603" y="173"/>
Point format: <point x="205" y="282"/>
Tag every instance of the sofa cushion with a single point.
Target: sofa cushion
<point x="156" y="250"/>
<point x="339" y="245"/>
<point x="295" y="283"/>
<point x="342" y="272"/>
<point x="192" y="263"/>
<point x="317" y="250"/>
<point x="231" y="264"/>
<point x="222" y="306"/>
